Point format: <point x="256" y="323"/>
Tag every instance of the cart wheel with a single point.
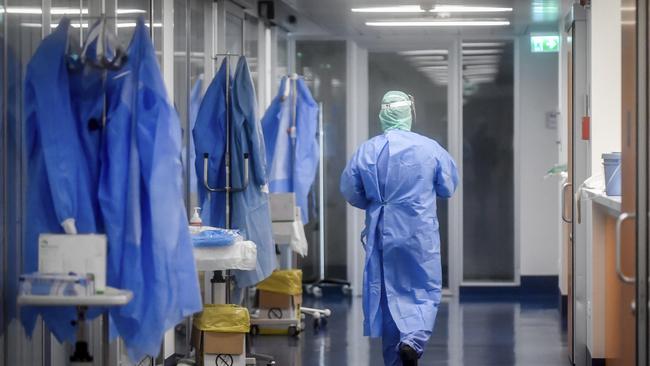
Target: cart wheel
<point x="347" y="290"/>
<point x="255" y="330"/>
<point x="317" y="291"/>
<point x="293" y="331"/>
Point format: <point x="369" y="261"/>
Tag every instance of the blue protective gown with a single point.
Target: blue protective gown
<point x="62" y="151"/>
<point x="396" y="178"/>
<point x="250" y="209"/>
<point x="141" y="197"/>
<point x="292" y="158"/>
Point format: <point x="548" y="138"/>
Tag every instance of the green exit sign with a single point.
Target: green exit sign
<point x="544" y="44"/>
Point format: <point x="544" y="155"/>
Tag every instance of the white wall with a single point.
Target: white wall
<point x="605" y="48"/>
<point x="538" y="206"/>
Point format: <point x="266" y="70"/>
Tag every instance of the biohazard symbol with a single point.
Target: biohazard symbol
<point x="275" y="313"/>
<point x="224" y="360"/>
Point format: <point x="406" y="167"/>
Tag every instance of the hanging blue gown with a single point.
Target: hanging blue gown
<point x="208" y="133"/>
<point x="141" y="197"/>
<point x="62" y="150"/>
<point x="250" y="209"/>
<point x="292" y="158"/>
<point x="396" y="178"/>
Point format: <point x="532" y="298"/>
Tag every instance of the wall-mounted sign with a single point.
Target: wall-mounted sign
<point x="544" y="43"/>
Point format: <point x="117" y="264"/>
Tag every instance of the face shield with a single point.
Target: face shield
<point x="397" y="111"/>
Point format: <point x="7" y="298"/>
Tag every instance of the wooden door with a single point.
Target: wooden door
<point x="621" y="332"/>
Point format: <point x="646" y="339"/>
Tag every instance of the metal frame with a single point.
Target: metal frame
<point x="576" y="25"/>
<point x="457" y="152"/>
<point x="642" y="184"/>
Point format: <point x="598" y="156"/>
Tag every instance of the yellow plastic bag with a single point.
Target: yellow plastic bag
<point x="288" y="282"/>
<point x="223" y="318"/>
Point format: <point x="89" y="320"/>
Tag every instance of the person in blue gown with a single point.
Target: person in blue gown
<point x="250" y="209"/>
<point x="290" y="134"/>
<point x="396" y="177"/>
<point x="141" y="197"/>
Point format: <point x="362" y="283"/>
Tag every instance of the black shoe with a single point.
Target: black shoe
<point x="408" y="355"/>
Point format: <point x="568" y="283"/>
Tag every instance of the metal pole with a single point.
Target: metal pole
<point x="321" y="195"/>
<point x="228" y="162"/>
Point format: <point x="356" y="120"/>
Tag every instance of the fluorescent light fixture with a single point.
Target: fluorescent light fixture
<point x="492" y="51"/>
<point x="426" y="58"/>
<point x="85" y="25"/>
<point x="483" y="44"/>
<point x="390" y="9"/>
<point x="481" y="66"/>
<point x="468" y="9"/>
<point x="131" y="11"/>
<point x="479" y="72"/>
<point x="60" y="11"/>
<point x="440" y="23"/>
<point x="432" y="68"/>
<point x="423" y="52"/>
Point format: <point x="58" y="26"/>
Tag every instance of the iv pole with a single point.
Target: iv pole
<point x="218" y="276"/>
<point x="228" y="189"/>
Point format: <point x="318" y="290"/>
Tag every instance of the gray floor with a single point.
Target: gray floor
<point x="473" y="333"/>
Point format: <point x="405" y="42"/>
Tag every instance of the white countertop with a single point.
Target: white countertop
<point x="612" y="203"/>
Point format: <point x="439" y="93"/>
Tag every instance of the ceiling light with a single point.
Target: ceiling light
<point x="440" y="23"/>
<point x="483" y="44"/>
<point x="483" y="52"/>
<point x="426" y="58"/>
<point x="481" y="66"/>
<point x="390" y="9"/>
<point x="423" y="52"/>
<point x="468" y="9"/>
<point x="131" y="11"/>
<point x="60" y="11"/>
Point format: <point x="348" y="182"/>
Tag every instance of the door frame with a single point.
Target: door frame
<point x="643" y="185"/>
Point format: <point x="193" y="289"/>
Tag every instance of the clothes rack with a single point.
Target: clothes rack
<point x="218" y="276"/>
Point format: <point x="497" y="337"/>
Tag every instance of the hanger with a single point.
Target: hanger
<point x="106" y="43"/>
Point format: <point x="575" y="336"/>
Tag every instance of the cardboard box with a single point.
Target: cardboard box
<point x="81" y="254"/>
<point x="209" y="345"/>
<point x="283" y="206"/>
<point x="274" y="300"/>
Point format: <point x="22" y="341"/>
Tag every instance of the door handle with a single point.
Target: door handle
<point x="619" y="271"/>
<point x="564" y="218"/>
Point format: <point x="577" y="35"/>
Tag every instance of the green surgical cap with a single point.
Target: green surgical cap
<point x="394" y="115"/>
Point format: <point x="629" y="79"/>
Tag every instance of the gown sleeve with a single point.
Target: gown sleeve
<point x="352" y="185"/>
<point x="446" y="178"/>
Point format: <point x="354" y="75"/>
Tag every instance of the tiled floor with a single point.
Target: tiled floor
<point x="472" y="333"/>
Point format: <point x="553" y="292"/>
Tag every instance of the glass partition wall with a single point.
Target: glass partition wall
<point x="185" y="58"/>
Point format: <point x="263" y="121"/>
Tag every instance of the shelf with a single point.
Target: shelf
<point x="111" y="297"/>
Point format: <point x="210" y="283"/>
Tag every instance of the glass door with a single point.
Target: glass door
<point x="488" y="162"/>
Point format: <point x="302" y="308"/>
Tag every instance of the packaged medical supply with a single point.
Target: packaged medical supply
<point x="56" y="284"/>
<point x="214" y="237"/>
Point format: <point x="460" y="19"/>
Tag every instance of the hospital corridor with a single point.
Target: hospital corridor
<point x="324" y="182"/>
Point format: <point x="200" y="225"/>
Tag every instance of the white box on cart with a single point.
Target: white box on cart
<point x="82" y="254"/>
